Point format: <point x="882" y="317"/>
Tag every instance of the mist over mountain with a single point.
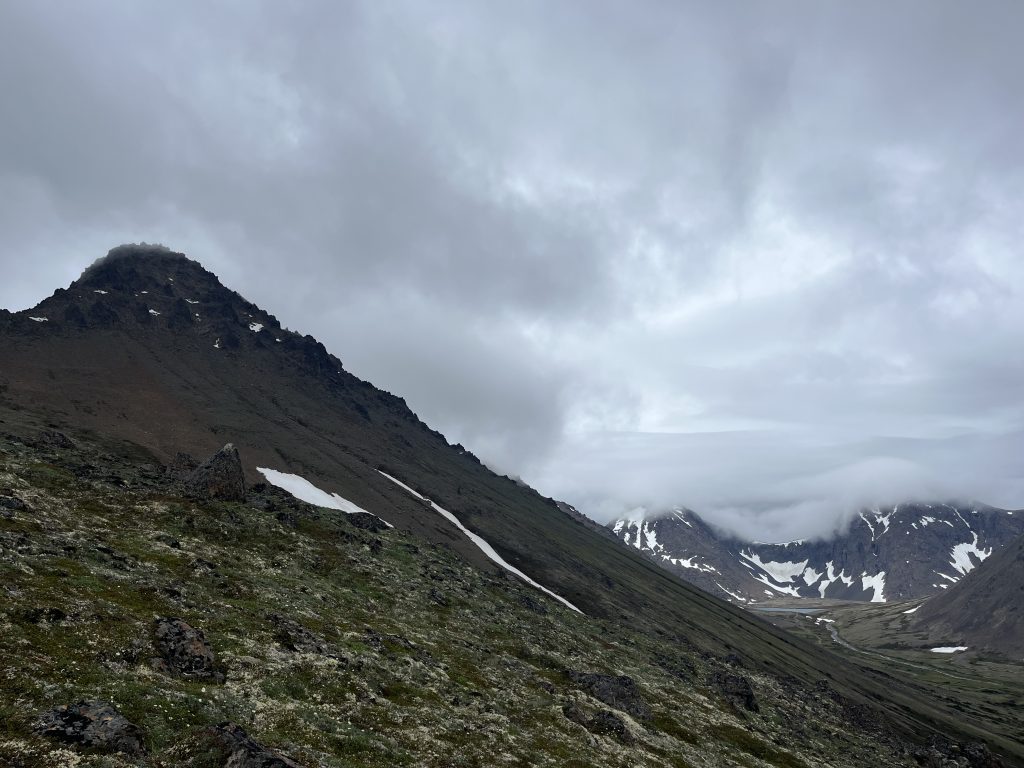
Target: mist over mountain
<point x="759" y="261"/>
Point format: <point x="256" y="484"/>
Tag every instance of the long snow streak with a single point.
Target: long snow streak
<point x="486" y="548"/>
<point x="303" y="490"/>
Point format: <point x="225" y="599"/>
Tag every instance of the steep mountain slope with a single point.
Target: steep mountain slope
<point x="985" y="611"/>
<point x="896" y="553"/>
<point x="149" y="349"/>
<point x="335" y="641"/>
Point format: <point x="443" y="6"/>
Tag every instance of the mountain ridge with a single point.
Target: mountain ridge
<point x="892" y="553"/>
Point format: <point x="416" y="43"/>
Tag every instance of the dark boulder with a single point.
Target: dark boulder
<point x="184" y="651"/>
<point x="239" y="750"/>
<point x="620" y="692"/>
<point x="92" y="725"/>
<point x="735" y="689"/>
<point x="219" y="477"/>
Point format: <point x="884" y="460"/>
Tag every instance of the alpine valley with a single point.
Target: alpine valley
<point x="218" y="547"/>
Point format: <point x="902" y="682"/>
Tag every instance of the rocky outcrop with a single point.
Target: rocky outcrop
<point x="94" y="725"/>
<point x="219" y="477"/>
<point x="184" y="651"/>
<point x="620" y="692"/>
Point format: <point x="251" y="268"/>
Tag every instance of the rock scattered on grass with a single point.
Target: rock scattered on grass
<point x="620" y="692"/>
<point x="242" y="751"/>
<point x="92" y="725"/>
<point x="735" y="689"/>
<point x="184" y="651"/>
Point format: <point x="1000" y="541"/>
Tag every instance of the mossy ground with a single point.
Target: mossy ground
<point x="424" y="660"/>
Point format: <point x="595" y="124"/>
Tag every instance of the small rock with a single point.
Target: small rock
<point x="92" y="725"/>
<point x="219" y="477"/>
<point x="184" y="651"/>
<point x="620" y="692"/>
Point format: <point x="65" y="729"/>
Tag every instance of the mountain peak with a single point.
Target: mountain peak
<point x="144" y="266"/>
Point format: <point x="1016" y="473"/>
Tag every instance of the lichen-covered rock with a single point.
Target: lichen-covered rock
<point x="240" y="750"/>
<point x="184" y="651"/>
<point x="92" y="725"/>
<point x="735" y="689"/>
<point x="618" y="691"/>
<point x="219" y="477"/>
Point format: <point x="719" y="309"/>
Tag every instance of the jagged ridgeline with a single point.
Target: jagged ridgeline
<point x="385" y="600"/>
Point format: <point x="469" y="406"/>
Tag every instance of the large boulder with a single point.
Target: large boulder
<point x="93" y="725"/>
<point x="184" y="651"/>
<point x="219" y="477"/>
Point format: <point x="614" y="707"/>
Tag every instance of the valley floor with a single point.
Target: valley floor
<point x="985" y="691"/>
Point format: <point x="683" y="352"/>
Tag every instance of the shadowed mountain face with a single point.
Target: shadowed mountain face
<point x="985" y="611"/>
<point x="897" y="553"/>
<point x="148" y="348"/>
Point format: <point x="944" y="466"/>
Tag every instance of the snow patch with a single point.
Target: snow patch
<point x="153" y="312"/>
<point x="961" y="555"/>
<point x="778" y="571"/>
<point x="40" y="319"/>
<point x="912" y="610"/>
<point x="102" y="293"/>
<point x="875" y="583"/>
<point x="949" y="649"/>
<point x="486" y="548"/>
<point x="303" y="490"/>
<point x="255" y="327"/>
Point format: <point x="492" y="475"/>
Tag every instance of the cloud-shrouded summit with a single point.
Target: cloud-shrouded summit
<point x="760" y="260"/>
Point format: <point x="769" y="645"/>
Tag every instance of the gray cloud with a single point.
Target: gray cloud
<point x="759" y="260"/>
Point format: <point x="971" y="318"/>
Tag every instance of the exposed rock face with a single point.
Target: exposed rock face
<point x="943" y="753"/>
<point x="735" y="689"/>
<point x="245" y="752"/>
<point x="184" y="651"/>
<point x="92" y="725"/>
<point x="219" y="477"/>
<point x="620" y="692"/>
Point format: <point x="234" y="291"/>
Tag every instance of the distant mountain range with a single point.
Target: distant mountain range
<point x="888" y="554"/>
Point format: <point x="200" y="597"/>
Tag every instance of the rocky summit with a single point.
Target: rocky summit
<point x="220" y="548"/>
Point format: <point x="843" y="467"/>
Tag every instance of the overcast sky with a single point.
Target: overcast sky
<point x="761" y="259"/>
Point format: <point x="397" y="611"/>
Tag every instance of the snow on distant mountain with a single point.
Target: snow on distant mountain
<point x="890" y="553"/>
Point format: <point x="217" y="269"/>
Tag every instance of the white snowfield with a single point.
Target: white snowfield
<point x="303" y="490"/>
<point x="40" y="319"/>
<point x="950" y="649"/>
<point x="255" y="327"/>
<point x="875" y="583"/>
<point x="912" y="610"/>
<point x="961" y="555"/>
<point x="486" y="548"/>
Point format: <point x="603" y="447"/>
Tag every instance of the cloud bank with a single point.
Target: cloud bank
<point x="759" y="260"/>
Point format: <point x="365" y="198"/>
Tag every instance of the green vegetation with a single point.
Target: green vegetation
<point x="343" y="646"/>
